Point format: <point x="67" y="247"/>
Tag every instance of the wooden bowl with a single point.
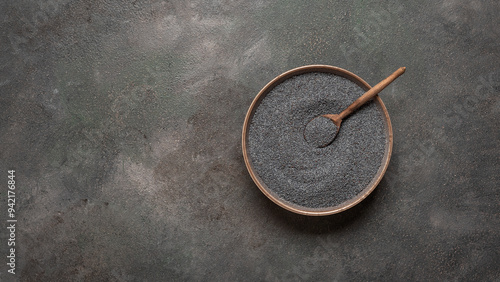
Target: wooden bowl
<point x="291" y="206"/>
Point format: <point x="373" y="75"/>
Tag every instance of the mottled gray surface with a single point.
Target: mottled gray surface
<point x="303" y="174"/>
<point x="123" y="122"/>
<point x="320" y="131"/>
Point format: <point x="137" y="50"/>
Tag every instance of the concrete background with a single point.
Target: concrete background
<point x="123" y="120"/>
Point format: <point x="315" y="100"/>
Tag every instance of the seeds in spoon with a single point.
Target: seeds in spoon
<point x="320" y="132"/>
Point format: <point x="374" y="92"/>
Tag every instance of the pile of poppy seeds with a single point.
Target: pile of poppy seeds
<point x="299" y="172"/>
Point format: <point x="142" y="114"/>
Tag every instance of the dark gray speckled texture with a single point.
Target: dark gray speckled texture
<point x="320" y="132"/>
<point x="306" y="175"/>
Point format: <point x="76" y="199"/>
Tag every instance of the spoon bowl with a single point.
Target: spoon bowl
<point x="322" y="130"/>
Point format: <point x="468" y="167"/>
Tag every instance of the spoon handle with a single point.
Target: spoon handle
<point x="371" y="93"/>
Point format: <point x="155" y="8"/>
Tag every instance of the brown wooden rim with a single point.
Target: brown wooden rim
<point x="293" y="207"/>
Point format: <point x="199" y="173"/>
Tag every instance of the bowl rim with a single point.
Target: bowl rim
<point x="294" y="207"/>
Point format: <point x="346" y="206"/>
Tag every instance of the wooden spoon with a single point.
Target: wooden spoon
<point x="322" y="130"/>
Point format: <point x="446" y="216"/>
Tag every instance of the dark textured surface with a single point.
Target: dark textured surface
<point x="320" y="132"/>
<point x="123" y="122"/>
<point x="301" y="173"/>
